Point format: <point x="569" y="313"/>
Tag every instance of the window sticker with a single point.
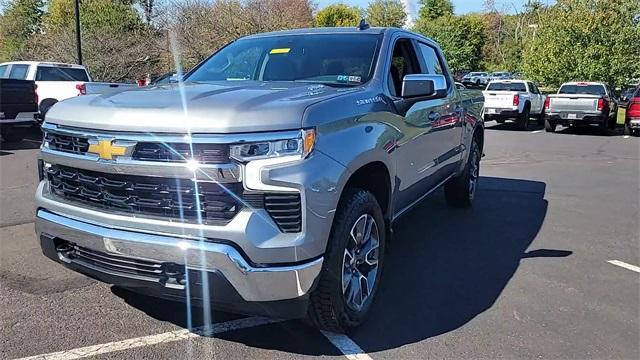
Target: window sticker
<point x="350" y="79"/>
<point x="280" y="51"/>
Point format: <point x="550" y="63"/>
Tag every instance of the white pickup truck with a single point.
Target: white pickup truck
<point x="513" y="100"/>
<point x="56" y="81"/>
<point x="581" y="103"/>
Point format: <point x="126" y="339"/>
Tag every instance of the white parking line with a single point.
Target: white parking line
<point x="348" y="347"/>
<point x="536" y="131"/>
<point x="625" y="265"/>
<point x="163" y="338"/>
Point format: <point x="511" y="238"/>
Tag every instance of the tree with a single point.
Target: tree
<point x="203" y="26"/>
<point x="21" y="20"/>
<point x="338" y="15"/>
<point x="434" y="9"/>
<point x="388" y="13"/>
<point x="117" y="44"/>
<point x="461" y="39"/>
<point x="585" y="40"/>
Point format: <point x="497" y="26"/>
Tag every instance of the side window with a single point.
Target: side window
<point x="403" y="62"/>
<point x="18" y="72"/>
<point x="3" y="69"/>
<point x="431" y="61"/>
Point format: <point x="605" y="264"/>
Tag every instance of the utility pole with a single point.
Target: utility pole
<point x="78" y="41"/>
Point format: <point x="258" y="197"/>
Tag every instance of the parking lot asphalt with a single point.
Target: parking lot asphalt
<point x="522" y="274"/>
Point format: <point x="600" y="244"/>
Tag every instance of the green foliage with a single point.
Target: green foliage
<point x="338" y="15"/>
<point x="434" y="9"/>
<point x="21" y="19"/>
<point x="95" y="15"/>
<point x="592" y="40"/>
<point x="461" y="39"/>
<point x="388" y="13"/>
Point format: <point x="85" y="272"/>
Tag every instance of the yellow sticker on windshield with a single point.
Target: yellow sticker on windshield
<point x="280" y="51"/>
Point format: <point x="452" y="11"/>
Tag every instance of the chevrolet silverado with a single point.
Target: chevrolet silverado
<point x="581" y="103"/>
<point x="267" y="182"/>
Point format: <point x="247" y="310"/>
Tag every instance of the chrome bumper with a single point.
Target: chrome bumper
<point x="252" y="283"/>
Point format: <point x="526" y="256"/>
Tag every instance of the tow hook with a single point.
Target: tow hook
<point x="175" y="276"/>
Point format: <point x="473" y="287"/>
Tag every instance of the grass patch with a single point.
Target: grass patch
<point x="621" y="113"/>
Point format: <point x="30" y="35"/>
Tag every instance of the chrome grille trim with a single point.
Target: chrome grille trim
<point x="221" y="173"/>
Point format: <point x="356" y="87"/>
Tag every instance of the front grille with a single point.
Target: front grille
<point x="66" y="143"/>
<point x="146" y="151"/>
<point x="286" y="211"/>
<point x="181" y="152"/>
<point x="169" y="198"/>
<point x="121" y="264"/>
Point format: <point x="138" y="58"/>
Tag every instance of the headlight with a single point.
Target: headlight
<point x="302" y="145"/>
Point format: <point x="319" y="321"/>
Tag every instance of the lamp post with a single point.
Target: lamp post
<point x="78" y="40"/>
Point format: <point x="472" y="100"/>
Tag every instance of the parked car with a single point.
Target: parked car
<point x="501" y="75"/>
<point x="513" y="100"/>
<point x="632" y="115"/>
<point x="55" y="81"/>
<point x="625" y="95"/>
<point x="277" y="191"/>
<point x="18" y="106"/>
<point x="581" y="103"/>
<point x="476" y="78"/>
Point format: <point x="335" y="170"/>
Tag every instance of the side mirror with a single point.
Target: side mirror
<point x="424" y="85"/>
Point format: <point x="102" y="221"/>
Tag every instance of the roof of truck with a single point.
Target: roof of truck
<point x="44" y="63"/>
<point x="324" y="30"/>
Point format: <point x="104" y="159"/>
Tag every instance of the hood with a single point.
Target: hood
<point x="225" y="107"/>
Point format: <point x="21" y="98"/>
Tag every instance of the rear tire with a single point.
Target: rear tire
<point x="334" y="306"/>
<point x="45" y="105"/>
<point x="613" y="122"/>
<point x="523" y="120"/>
<point x="604" y="127"/>
<point x="540" y="118"/>
<point x="460" y="191"/>
<point x="549" y="126"/>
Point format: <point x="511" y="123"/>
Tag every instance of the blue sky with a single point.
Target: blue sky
<point x="461" y="6"/>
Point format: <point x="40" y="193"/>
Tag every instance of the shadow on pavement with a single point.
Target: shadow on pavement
<point x="445" y="267"/>
<point x="513" y="126"/>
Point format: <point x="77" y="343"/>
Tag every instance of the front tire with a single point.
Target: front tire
<point x="460" y="191"/>
<point x="352" y="265"/>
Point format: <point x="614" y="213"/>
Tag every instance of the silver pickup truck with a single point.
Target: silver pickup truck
<point x="581" y="103"/>
<point x="269" y="180"/>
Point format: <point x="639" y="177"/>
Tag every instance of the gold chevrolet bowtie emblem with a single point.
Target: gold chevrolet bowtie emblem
<point x="106" y="150"/>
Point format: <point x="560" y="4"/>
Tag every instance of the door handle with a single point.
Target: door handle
<point x="433" y="116"/>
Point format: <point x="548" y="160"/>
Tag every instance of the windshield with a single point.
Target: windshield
<point x="330" y="59"/>
<point x="503" y="86"/>
<point x="583" y="89"/>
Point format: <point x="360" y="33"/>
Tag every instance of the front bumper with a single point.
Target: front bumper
<point x="232" y="279"/>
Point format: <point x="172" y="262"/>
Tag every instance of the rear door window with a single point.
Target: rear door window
<point x="502" y="86"/>
<point x="53" y="73"/>
<point x="583" y="89"/>
<point x="18" y="71"/>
